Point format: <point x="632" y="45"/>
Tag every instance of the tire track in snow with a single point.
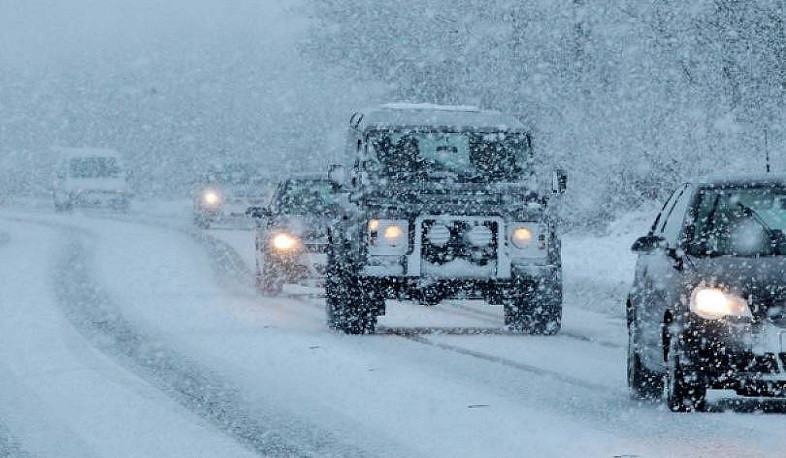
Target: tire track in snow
<point x="508" y="363"/>
<point x="198" y="389"/>
<point x="9" y="448"/>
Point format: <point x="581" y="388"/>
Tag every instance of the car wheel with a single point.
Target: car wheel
<point x="643" y="383"/>
<point x="201" y="221"/>
<point x="685" y="391"/>
<point x="268" y="279"/>
<point x="533" y="316"/>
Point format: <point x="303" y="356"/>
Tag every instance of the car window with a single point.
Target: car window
<point x="675" y="219"/>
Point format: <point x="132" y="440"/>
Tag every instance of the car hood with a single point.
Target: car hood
<point x="763" y="279"/>
<point x="308" y="227"/>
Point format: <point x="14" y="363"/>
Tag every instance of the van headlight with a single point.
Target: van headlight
<point x="211" y="197"/>
<point x="714" y="303"/>
<point x="388" y="237"/>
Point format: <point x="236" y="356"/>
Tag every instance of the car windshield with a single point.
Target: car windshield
<point x="236" y="174"/>
<point x="94" y="167"/>
<point x="306" y="197"/>
<point x="464" y="155"/>
<point x="739" y="221"/>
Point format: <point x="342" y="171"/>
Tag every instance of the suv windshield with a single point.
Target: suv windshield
<point x="739" y="221"/>
<point x="464" y="155"/>
<point x="305" y="197"/>
<point x="94" y="167"/>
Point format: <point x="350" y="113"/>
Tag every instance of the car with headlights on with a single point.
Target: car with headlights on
<point x="708" y="305"/>
<point x="291" y="237"/>
<point x="225" y="191"/>
<point x="90" y="177"/>
<point x="445" y="202"/>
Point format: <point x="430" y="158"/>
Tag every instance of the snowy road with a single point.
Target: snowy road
<point x="142" y="337"/>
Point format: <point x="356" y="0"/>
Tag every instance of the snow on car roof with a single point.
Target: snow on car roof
<point x="458" y="117"/>
<point x="87" y="152"/>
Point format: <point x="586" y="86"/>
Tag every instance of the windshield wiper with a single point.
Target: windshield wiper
<point x="775" y="235"/>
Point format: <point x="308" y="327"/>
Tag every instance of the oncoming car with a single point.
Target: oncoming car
<point x="708" y="304"/>
<point x="90" y="177"/>
<point x="291" y="238"/>
<point x="225" y="192"/>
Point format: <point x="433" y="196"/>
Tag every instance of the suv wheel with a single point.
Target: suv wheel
<point x="349" y="306"/>
<point x="643" y="383"/>
<point x="685" y="391"/>
<point x="533" y="315"/>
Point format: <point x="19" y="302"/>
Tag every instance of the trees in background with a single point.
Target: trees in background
<point x="632" y="97"/>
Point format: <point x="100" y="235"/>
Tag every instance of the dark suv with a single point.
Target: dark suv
<point x="444" y="202"/>
<point x="708" y="304"/>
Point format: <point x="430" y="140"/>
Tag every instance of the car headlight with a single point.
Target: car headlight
<point x="528" y="237"/>
<point x="211" y="197"/>
<point x="714" y="303"/>
<point x="388" y="237"/>
<point x="284" y="242"/>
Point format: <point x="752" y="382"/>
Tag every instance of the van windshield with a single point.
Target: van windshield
<point x="94" y="167"/>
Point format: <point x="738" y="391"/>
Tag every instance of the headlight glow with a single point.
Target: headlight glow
<point x="210" y="197"/>
<point x="388" y="237"/>
<point x="284" y="242"/>
<point x="393" y="233"/>
<point x="521" y="236"/>
<point x="714" y="304"/>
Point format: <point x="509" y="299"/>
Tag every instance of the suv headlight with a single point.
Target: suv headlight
<point x="714" y="303"/>
<point x="388" y="237"/>
<point x="528" y="238"/>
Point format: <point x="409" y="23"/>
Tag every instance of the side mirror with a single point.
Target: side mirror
<point x="338" y="175"/>
<point x="648" y="244"/>
<point x="559" y="181"/>
<point x="259" y="212"/>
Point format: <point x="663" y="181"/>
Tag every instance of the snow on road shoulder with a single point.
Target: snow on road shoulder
<point x="61" y="397"/>
<point x="598" y="268"/>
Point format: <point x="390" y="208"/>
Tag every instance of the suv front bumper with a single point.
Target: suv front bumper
<point x="525" y="280"/>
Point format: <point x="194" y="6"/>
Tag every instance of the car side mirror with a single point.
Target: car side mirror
<point x="259" y="212"/>
<point x="559" y="181"/>
<point x="648" y="244"/>
<point x="338" y="175"/>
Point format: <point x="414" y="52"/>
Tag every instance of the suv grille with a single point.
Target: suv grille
<point x="445" y="241"/>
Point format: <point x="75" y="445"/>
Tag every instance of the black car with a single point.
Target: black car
<point x="708" y="305"/>
<point x="291" y="238"/>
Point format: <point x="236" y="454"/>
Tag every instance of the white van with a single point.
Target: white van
<point x="90" y="177"/>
